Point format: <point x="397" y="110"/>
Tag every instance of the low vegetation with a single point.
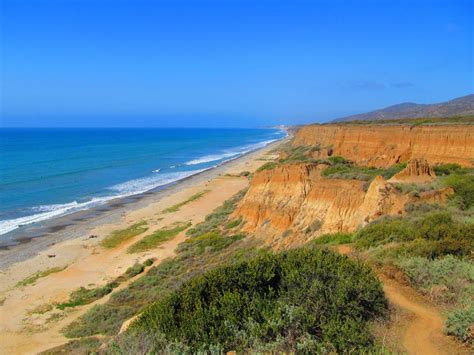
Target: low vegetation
<point x="83" y="296"/>
<point x="467" y="119"/>
<point x="159" y="237"/>
<point x="341" y="168"/>
<point x="306" y="300"/>
<point x="176" y="207"/>
<point x="210" y="244"/>
<point x="33" y="278"/>
<point x="118" y="237"/>
<point x="333" y="239"/>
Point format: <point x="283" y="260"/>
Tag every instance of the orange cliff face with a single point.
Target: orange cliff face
<point x="292" y="203"/>
<point x="385" y="145"/>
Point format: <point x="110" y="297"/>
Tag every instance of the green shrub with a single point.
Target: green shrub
<point x="233" y="224"/>
<point x="448" y="169"/>
<point x="447" y="279"/>
<point x="118" y="237"/>
<point x="382" y="232"/>
<point x="149" y="262"/>
<point x="155" y="239"/>
<point x="134" y="270"/>
<point x="281" y="299"/>
<point x="336" y="160"/>
<point x="207" y="242"/>
<point x="463" y="186"/>
<point x="459" y="323"/>
<point x="267" y="166"/>
<point x="334" y="239"/>
<point x="84" y="296"/>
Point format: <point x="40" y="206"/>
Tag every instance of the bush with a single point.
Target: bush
<point x="84" y="296"/>
<point x="302" y="299"/>
<point x="448" y="169"/>
<point x="334" y="239"/>
<point x="267" y="166"/>
<point x="463" y="186"/>
<point x="459" y="324"/>
<point x="447" y="279"/>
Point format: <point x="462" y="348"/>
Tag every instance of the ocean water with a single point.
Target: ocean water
<point x="46" y="173"/>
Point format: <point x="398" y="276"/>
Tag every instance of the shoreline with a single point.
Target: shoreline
<point x="80" y="223"/>
<point x="81" y="261"/>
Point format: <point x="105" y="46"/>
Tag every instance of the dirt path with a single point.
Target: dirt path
<point x="423" y="334"/>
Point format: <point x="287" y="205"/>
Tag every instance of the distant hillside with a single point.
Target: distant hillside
<point x="458" y="107"/>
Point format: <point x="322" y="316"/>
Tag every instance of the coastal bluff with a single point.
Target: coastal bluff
<point x="385" y="145"/>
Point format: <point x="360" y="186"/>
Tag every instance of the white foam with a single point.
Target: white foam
<point x="128" y="188"/>
<point x="232" y="154"/>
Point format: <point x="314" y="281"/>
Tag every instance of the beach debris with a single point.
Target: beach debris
<point x="51" y="255"/>
<point x="93" y="236"/>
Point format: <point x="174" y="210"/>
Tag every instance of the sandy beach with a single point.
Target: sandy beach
<point x="85" y="263"/>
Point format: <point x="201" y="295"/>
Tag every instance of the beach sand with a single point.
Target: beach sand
<point x="88" y="264"/>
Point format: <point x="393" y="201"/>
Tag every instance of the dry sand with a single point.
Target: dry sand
<point x="87" y="263"/>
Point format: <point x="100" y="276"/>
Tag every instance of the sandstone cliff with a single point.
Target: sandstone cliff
<point x="385" y="145"/>
<point x="292" y="203"/>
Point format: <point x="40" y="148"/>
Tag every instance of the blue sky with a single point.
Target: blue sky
<point x="227" y="63"/>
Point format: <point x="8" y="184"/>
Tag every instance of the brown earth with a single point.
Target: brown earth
<point x="282" y="203"/>
<point x="385" y="145"/>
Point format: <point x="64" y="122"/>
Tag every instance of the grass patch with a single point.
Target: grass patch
<point x="118" y="237"/>
<point x="33" y="278"/>
<point x="176" y="207"/>
<point x="155" y="239"/>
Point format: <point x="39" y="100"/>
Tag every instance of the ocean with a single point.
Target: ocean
<point x="47" y="173"/>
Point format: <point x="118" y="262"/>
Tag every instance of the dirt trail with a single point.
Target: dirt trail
<point x="423" y="333"/>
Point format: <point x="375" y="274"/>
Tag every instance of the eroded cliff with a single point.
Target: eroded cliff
<point x="293" y="203"/>
<point x="385" y="145"/>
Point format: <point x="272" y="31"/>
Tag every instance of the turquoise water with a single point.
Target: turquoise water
<point x="47" y="173"/>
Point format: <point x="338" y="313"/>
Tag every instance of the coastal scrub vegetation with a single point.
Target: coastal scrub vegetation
<point x="306" y="300"/>
<point x="83" y="296"/>
<point x="432" y="246"/>
<point x="466" y="119"/>
<point x="209" y="244"/>
<point x="33" y="278"/>
<point x="340" y="168"/>
<point x="194" y="197"/>
<point x="118" y="237"/>
<point x="157" y="238"/>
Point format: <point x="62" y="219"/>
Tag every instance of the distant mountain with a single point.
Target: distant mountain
<point x="458" y="107"/>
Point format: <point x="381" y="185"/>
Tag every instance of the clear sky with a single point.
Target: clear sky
<point x="227" y="63"/>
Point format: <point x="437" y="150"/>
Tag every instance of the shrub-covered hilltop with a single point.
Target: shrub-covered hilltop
<point x="306" y="299"/>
